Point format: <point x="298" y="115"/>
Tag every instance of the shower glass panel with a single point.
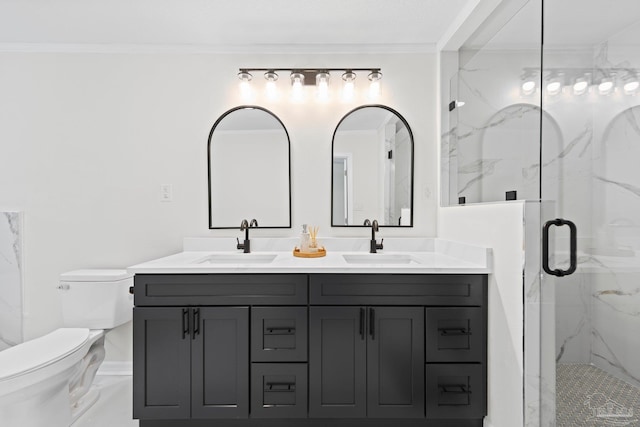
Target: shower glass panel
<point x="493" y="146"/>
<point x="591" y="175"/>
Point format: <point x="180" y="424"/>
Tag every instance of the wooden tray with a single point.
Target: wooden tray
<point x="321" y="252"/>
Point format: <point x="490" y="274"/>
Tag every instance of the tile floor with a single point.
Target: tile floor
<point x="114" y="407"/>
<point x="589" y="396"/>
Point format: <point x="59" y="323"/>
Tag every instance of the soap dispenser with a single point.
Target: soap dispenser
<point x="305" y="238"/>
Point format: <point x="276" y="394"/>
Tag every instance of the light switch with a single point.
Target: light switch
<point x="166" y="193"/>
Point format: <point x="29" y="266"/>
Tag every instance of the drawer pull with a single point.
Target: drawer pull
<point x="185" y="322"/>
<point x="280" y="331"/>
<point x="454" y="389"/>
<point x="291" y="386"/>
<point x="453" y="331"/>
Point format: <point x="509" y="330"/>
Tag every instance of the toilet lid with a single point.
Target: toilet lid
<point x="109" y="275"/>
<point x="40" y="352"/>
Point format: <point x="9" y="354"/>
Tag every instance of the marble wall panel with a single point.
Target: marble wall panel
<point x="11" y="270"/>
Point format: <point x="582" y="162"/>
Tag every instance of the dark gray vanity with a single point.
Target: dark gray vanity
<point x="310" y="349"/>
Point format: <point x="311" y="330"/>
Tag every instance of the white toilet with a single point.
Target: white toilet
<point x="47" y="381"/>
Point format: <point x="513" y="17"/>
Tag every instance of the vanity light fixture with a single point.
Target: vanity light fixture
<point x="320" y="77"/>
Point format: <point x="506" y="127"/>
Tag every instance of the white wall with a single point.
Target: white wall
<point x="86" y="140"/>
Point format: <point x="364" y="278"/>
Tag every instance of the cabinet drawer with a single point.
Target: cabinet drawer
<point x="220" y="289"/>
<point x="279" y="334"/>
<point x="397" y="289"/>
<point x="455" y="391"/>
<point x="278" y="390"/>
<point x="455" y="334"/>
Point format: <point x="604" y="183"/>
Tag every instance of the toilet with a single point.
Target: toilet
<point x="47" y="381"/>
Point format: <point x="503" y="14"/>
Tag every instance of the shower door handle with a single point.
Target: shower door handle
<point x="573" y="247"/>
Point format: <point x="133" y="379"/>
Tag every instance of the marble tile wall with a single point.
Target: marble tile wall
<point x="590" y="152"/>
<point x="11" y="270"/>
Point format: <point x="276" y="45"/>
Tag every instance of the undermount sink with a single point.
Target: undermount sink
<point x="238" y="259"/>
<point x="379" y="259"/>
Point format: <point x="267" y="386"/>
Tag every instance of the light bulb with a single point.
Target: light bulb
<point x="553" y="87"/>
<point x="348" y="86"/>
<point x="322" y="84"/>
<point x="605" y="86"/>
<point x="374" y="86"/>
<point x="245" y="86"/>
<point x="528" y="87"/>
<point x="580" y="86"/>
<point x="297" y="80"/>
<point x="270" y="88"/>
<point x="631" y="87"/>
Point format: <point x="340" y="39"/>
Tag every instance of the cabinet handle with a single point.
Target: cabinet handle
<point x="361" y="323"/>
<point x="281" y="331"/>
<point x="454" y="389"/>
<point x="280" y="386"/>
<point x="372" y="323"/>
<point x="185" y="322"/>
<point x="453" y="331"/>
<point x="196" y="322"/>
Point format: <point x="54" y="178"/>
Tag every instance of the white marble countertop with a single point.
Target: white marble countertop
<point x="399" y="256"/>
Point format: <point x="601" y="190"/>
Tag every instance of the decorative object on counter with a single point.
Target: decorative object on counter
<point x="304" y="239"/>
<point x="319" y="253"/>
<point x="313" y="243"/>
<point x="309" y="247"/>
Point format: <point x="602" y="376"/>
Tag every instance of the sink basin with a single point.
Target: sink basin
<point x="379" y="259"/>
<point x="238" y="259"/>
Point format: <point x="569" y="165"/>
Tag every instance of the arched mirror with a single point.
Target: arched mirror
<point x="249" y="170"/>
<point x="372" y="169"/>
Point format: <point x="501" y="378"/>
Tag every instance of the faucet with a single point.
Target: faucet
<point x="374" y="227"/>
<point x="244" y="226"/>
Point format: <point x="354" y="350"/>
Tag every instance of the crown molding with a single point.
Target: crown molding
<point x="110" y="48"/>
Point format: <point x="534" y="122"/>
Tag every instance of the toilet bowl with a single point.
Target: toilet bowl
<point x="47" y="380"/>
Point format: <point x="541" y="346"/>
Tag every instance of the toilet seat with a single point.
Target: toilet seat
<point x="41" y="352"/>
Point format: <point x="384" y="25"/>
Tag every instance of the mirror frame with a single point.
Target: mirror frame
<point x="333" y="140"/>
<point x="217" y="122"/>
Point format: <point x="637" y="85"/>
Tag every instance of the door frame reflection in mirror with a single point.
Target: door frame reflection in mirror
<point x="411" y="176"/>
<point x="209" y="194"/>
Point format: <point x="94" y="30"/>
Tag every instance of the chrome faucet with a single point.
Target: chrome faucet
<point x="244" y="226"/>
<point x="374" y="227"/>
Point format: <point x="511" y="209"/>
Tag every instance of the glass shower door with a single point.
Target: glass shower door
<point x="590" y="91"/>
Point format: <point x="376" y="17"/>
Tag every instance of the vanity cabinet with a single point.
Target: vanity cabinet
<point x="366" y="362"/>
<point x="191" y="362"/>
<point x="301" y="349"/>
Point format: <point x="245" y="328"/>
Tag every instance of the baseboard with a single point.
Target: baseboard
<point x="116" y="368"/>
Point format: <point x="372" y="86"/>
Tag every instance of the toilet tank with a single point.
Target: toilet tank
<point x="96" y="299"/>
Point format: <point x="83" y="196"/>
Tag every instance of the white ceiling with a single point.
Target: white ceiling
<point x="229" y="24"/>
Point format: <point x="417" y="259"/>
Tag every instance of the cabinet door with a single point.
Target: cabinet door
<point x="161" y="363"/>
<point x="337" y="362"/>
<point x="220" y="370"/>
<point x="395" y="360"/>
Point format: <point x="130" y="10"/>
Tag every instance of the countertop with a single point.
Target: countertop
<point x="275" y="255"/>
